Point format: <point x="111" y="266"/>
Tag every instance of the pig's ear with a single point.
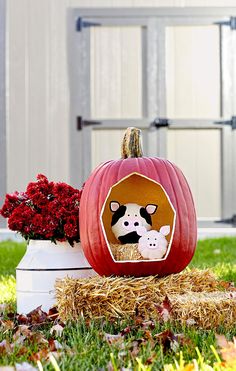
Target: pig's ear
<point x="151" y="208"/>
<point x="141" y="230"/>
<point x="114" y="205"/>
<point x="165" y="230"/>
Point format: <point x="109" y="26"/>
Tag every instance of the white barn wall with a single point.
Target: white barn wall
<point x="37" y="83"/>
<point x="37" y="91"/>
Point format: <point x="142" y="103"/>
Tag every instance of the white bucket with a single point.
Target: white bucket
<point x="43" y="263"/>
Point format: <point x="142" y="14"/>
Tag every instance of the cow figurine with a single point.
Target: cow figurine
<point x="129" y="221"/>
<point x="153" y="244"/>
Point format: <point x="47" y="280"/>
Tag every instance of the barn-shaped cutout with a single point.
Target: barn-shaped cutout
<point x="138" y="220"/>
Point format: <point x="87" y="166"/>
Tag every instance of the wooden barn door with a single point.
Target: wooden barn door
<point x="110" y="91"/>
<point x="197" y="57"/>
<point x="171" y="77"/>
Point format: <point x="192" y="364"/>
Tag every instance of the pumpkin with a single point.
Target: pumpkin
<point x="144" y="195"/>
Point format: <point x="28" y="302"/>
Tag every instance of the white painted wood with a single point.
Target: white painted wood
<point x="197" y="153"/>
<point x="234" y="114"/>
<point x="37" y="92"/>
<point x="193" y="71"/>
<point x="116" y="72"/>
<point x="38" y="78"/>
<point x="234" y="171"/>
<point x="227" y="72"/>
<point x="150" y="3"/>
<point x="106" y="145"/>
<point x="3" y="146"/>
<point x="59" y="103"/>
<point x="17" y="95"/>
<point x="234" y="70"/>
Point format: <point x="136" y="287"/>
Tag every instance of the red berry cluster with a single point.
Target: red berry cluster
<point x="47" y="210"/>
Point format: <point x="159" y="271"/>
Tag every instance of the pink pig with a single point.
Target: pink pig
<point x="153" y="244"/>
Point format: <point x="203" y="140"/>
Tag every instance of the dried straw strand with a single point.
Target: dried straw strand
<point x="196" y="297"/>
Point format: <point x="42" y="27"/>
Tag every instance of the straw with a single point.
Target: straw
<point x="196" y="297"/>
<point x="128" y="251"/>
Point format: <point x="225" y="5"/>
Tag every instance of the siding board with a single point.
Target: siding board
<point x="3" y="154"/>
<point x="149" y="3"/>
<point x="38" y="124"/>
<point x="17" y="96"/>
<point x="38" y="87"/>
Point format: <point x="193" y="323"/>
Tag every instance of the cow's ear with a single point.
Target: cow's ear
<point x="151" y="208"/>
<point x="165" y="230"/>
<point x="114" y="205"/>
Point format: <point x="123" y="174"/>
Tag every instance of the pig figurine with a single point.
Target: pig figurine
<point x="153" y="244"/>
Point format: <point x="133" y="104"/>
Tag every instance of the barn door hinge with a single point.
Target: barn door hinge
<point x="160" y="122"/>
<point x="231" y="122"/>
<point x="228" y="221"/>
<point x="231" y="23"/>
<point x="81" y="23"/>
<point x="81" y="123"/>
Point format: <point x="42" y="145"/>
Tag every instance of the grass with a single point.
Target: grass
<point x="83" y="343"/>
<point x="219" y="255"/>
<point x="10" y="255"/>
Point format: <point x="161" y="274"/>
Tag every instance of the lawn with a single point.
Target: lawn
<point x="91" y="345"/>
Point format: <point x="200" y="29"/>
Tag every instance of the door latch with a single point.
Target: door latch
<point x="160" y="122"/>
<point x="81" y="23"/>
<point x="231" y="122"/>
<point x="81" y="122"/>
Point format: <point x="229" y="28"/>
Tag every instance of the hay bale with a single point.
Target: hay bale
<point x="205" y="310"/>
<point x="195" y="296"/>
<point x="128" y="251"/>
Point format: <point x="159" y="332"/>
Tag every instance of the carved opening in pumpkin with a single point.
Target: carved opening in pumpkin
<point x="138" y="220"/>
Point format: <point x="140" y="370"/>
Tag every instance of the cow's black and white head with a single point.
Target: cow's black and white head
<point x="130" y="219"/>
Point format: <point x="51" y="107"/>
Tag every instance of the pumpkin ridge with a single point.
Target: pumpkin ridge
<point x="107" y="185"/>
<point x="100" y="204"/>
<point x="150" y="163"/>
<point x="183" y="198"/>
<point x="161" y="170"/>
<point x="187" y="185"/>
<point x="192" y="235"/>
<point x="85" y="199"/>
<point x="98" y="173"/>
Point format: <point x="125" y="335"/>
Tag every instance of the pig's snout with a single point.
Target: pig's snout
<point x="152" y="245"/>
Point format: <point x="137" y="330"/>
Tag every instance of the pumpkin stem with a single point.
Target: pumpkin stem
<point x="132" y="143"/>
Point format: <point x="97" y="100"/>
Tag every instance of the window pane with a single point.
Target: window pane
<point x="193" y="72"/>
<point x="116" y="72"/>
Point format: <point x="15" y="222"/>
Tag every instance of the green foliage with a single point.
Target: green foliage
<point x="84" y="343"/>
